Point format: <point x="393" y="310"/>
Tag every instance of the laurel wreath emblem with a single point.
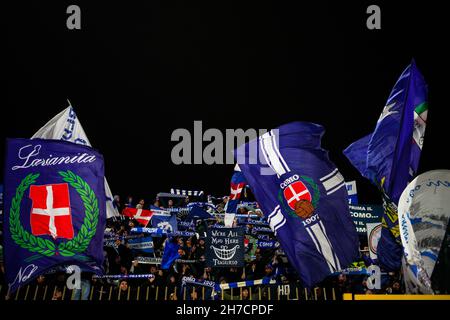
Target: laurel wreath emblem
<point x="46" y="247"/>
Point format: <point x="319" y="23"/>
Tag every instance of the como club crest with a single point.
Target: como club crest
<point x="299" y="195"/>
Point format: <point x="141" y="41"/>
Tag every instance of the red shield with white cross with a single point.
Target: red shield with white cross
<point x="295" y="192"/>
<point x="50" y="211"/>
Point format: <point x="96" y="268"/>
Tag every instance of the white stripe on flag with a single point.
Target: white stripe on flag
<point x="277" y="150"/>
<point x="275" y="219"/>
<point x="263" y="151"/>
<point x="313" y="238"/>
<point x="336" y="189"/>
<point x="280" y="225"/>
<point x="329" y="175"/>
<point x="336" y="259"/>
<point x="332" y="182"/>
<point x="273" y="212"/>
<point x="277" y="166"/>
<point x="327" y="251"/>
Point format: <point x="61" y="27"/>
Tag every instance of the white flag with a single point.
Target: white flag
<point x="66" y="126"/>
<point x="423" y="215"/>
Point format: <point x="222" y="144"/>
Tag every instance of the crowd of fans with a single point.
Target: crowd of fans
<point x="122" y="262"/>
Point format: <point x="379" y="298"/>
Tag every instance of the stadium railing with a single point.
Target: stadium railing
<point x="186" y="293"/>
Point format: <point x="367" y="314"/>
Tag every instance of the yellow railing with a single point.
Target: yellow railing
<point x="361" y="297"/>
<point x="146" y="293"/>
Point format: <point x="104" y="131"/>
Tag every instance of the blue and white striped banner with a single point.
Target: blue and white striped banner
<point x="253" y="222"/>
<point x="161" y="232"/>
<point x="355" y="271"/>
<point x="240" y="215"/>
<point x="199" y="282"/>
<point x="262" y="229"/>
<point x="149" y="230"/>
<point x="124" y="276"/>
<point x="144" y="244"/>
<point x="177" y="210"/>
<point x="117" y="237"/>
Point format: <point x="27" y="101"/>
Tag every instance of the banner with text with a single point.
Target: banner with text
<point x="364" y="214"/>
<point x="225" y="247"/>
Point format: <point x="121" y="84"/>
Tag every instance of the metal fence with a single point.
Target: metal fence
<point x="186" y="293"/>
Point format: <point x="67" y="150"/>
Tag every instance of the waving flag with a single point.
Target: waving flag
<point x="54" y="208"/>
<point x="66" y="126"/>
<point x="424" y="212"/>
<point x="196" y="212"/>
<point x="389" y="157"/>
<point x="140" y="215"/>
<point x="167" y="223"/>
<point x="237" y="184"/>
<point x="303" y="197"/>
<point x="170" y="254"/>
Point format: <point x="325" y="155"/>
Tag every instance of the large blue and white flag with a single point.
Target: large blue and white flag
<point x="303" y="197"/>
<point x="389" y="156"/>
<point x="54" y="208"/>
<point x="165" y="222"/>
<point x="66" y="126"/>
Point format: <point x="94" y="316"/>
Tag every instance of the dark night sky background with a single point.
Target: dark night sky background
<point x="136" y="71"/>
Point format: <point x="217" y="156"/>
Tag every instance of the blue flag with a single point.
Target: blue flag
<point x="237" y="184"/>
<point x="389" y="156"/>
<point x="165" y="222"/>
<point x="170" y="254"/>
<point x="54" y="208"/>
<point x="303" y="196"/>
<point x="198" y="213"/>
